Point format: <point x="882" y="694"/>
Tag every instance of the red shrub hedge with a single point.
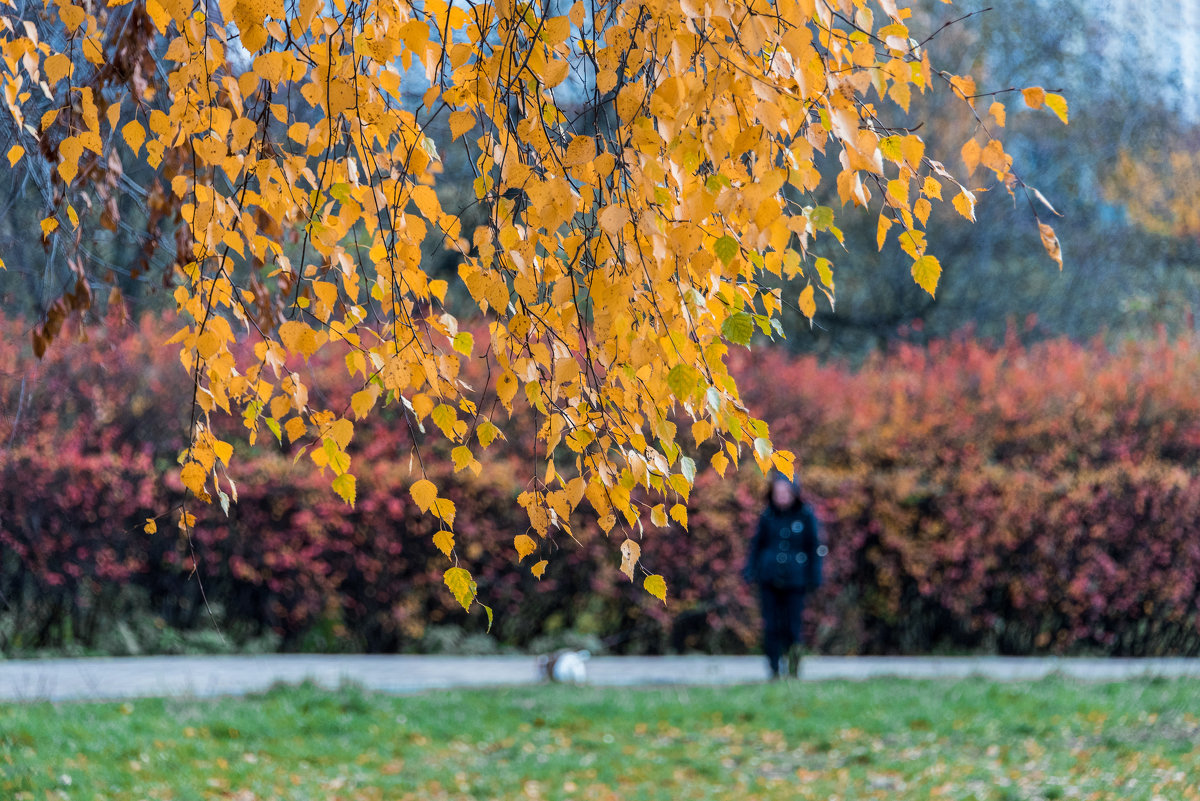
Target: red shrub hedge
<point x="1012" y="499"/>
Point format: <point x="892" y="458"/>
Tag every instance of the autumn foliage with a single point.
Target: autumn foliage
<point x="644" y="176"/>
<point x="976" y="497"/>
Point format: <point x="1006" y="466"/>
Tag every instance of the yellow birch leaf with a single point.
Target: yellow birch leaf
<point x="14" y="155"/>
<point x="1034" y="96"/>
<point x="486" y="433"/>
<point x="581" y="151"/>
<point x="539" y="569"/>
<point x="720" y="462"/>
<point x="525" y="545"/>
<point x="658" y="515"/>
<point x="193" y="477"/>
<point x="223" y="450"/>
<point x="445" y="418"/>
<point x="363" y="401"/>
<point x="1057" y="104"/>
<point x="965" y="86"/>
<point x="57" y="67"/>
<point x="506" y="389"/>
<point x="1050" y="243"/>
<point x="464" y="342"/>
<point x="630" y="553"/>
<point x="926" y="271"/>
<point x="295" y="429"/>
<point x="971" y="153"/>
<point x="151" y="526"/>
<point x="613" y="218"/>
<point x="298" y="338"/>
<point x="808" y="302"/>
<point x="49" y="226"/>
<point x="461" y="584"/>
<point x="72" y="16"/>
<point x="444" y="509"/>
<point x="885" y="223"/>
<point x="444" y="540"/>
<point x="964" y="204"/>
<point x="69" y="151"/>
<point x="462" y="457"/>
<point x="914" y="150"/>
<point x="630" y="100"/>
<point x="656" y="585"/>
<point x="921" y="210"/>
<point x="679" y="514"/>
<point x="460" y="123"/>
<point x="997" y="112"/>
<point x="424" y="493"/>
<point x="341" y="432"/>
<point x="345" y="486"/>
<point x="994" y="158"/>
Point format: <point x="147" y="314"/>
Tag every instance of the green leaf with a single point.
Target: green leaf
<point x="488" y="609"/>
<point x="273" y="424"/>
<point x="464" y="342"/>
<point x="683" y="381"/>
<point x="825" y="271"/>
<point x="687" y="466"/>
<point x="821" y="217"/>
<point x="738" y="328"/>
<point x="726" y="248"/>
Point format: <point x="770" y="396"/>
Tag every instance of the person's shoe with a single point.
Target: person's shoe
<point x="793" y="660"/>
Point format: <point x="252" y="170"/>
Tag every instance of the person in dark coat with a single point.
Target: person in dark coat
<point x="785" y="561"/>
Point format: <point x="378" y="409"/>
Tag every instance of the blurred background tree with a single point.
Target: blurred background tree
<point x="1124" y="175"/>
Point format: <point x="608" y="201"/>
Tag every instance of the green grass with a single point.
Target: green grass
<point x="884" y="739"/>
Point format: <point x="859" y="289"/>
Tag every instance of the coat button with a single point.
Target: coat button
<point x="797" y="526"/>
<point x="781" y="558"/>
<point x="822" y="550"/>
<point x="801" y="558"/>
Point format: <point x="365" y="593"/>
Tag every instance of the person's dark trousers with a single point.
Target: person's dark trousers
<point x="783" y="622"/>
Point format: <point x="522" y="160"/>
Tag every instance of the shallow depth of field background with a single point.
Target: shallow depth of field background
<point x="1010" y="468"/>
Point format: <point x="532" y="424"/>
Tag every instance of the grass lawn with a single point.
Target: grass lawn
<point x="882" y="739"/>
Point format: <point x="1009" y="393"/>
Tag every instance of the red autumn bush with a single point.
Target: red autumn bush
<point x="1014" y="499"/>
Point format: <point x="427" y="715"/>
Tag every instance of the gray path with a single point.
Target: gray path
<point x="73" y="679"/>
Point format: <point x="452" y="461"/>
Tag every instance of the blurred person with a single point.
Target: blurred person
<point x="784" y="560"/>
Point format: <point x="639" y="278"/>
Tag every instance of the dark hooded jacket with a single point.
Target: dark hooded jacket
<point x="786" y="551"/>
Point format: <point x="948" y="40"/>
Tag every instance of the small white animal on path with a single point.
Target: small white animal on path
<point x="564" y="666"/>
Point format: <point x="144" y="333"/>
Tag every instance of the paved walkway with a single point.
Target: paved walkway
<point x="187" y="676"/>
